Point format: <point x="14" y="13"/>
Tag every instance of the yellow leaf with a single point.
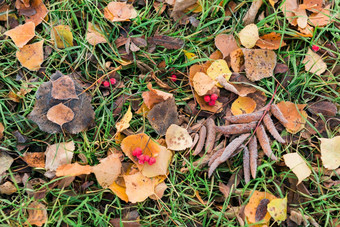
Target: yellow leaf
<point x="218" y="68"/>
<point x="297" y="165"/>
<point x="277" y="208"/>
<point x="243" y="105"/>
<point x="22" y="34"/>
<point x="249" y="35"/>
<point x="120" y="191"/>
<point x="190" y="56"/>
<point x="62" y="36"/>
<point x="31" y="56"/>
<point x="124" y="123"/>
<point x="330" y="152"/>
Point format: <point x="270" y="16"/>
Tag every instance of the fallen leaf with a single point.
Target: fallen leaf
<point x="302" y="17"/>
<point x="119" y="191"/>
<point x="162" y="115"/>
<point x="181" y="5"/>
<point x="177" y="138"/>
<point x="160" y="167"/>
<point x="259" y="64"/>
<point x="73" y="170"/>
<point x="243" y="105"/>
<point x="4" y="8"/>
<point x="314" y="63"/>
<point x="37" y="214"/>
<point x="124" y="123"/>
<point x="94" y="35"/>
<point x="8" y="188"/>
<point x="254" y="201"/>
<point x="297" y="165"/>
<point x="277" y="208"/>
<point x="322" y="18"/>
<point x="226" y="44"/>
<point x="34" y="159"/>
<point x="154" y="96"/>
<point x="2" y="129"/>
<point x="63" y="88"/>
<point x="261" y="210"/>
<point x="159" y="191"/>
<point x="31" y="56"/>
<point x="203" y="83"/>
<point x="6" y="162"/>
<point x="159" y="7"/>
<point x="288" y="7"/>
<point x="312" y="5"/>
<point x="62" y="36"/>
<point x="236" y="60"/>
<point x="58" y="154"/>
<point x="330" y="152"/>
<point x="324" y="107"/>
<point x="22" y="34"/>
<point x="119" y="11"/>
<point x="131" y="219"/>
<point x="219" y="68"/>
<point x="36" y="11"/>
<point x="249" y="35"/>
<point x="249" y="17"/>
<point x="294" y="114"/>
<point x="168" y="42"/>
<point x="271" y="41"/>
<point x="60" y="114"/>
<point x="138" y="187"/>
<point x="108" y="170"/>
<point x="190" y="56"/>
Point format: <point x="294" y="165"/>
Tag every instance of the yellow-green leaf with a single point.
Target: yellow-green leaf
<point x="277" y="208"/>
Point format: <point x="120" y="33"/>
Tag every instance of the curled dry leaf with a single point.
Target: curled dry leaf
<point x="58" y="154"/>
<point x="6" y="162"/>
<point x="60" y="114"/>
<point x="265" y="142"/>
<point x="124" y="123"/>
<point x="271" y="41"/>
<point x="177" y="138"/>
<point x="277" y="208"/>
<point x="154" y="96"/>
<point x="211" y="135"/>
<point x="202" y="83"/>
<point x="226" y="44"/>
<point x="261" y="210"/>
<point x="251" y="207"/>
<point x="73" y="169"/>
<point x="297" y="165"/>
<point x="249" y="35"/>
<point x="330" y="152"/>
<point x="323" y="107"/>
<point x="94" y="35"/>
<point x="37" y="214"/>
<point x="119" y="11"/>
<point x="259" y="64"/>
<point x="314" y="63"/>
<point x="138" y="187"/>
<point x="243" y="105"/>
<point x="8" y="188"/>
<point x="22" y="34"/>
<point x="35" y="11"/>
<point x="294" y="114"/>
<point x="31" y="56"/>
<point x="34" y="159"/>
<point x="62" y="36"/>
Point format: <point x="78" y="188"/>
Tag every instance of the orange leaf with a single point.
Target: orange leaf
<point x="108" y="170"/>
<point x="22" y="34"/>
<point x="322" y="18"/>
<point x="37" y="7"/>
<point x="226" y="44"/>
<point x="73" y="169"/>
<point x="138" y="187"/>
<point x="294" y="114"/>
<point x="31" y="56"/>
<point x="271" y="41"/>
<point x="243" y="105"/>
<point x="120" y="191"/>
<point x="37" y="214"/>
<point x="35" y="159"/>
<point x="119" y="11"/>
<point x="154" y="96"/>
<point x="60" y="114"/>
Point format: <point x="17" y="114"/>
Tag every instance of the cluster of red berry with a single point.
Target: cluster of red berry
<point x="138" y="153"/>
<point x="211" y="99"/>
<point x="112" y="81"/>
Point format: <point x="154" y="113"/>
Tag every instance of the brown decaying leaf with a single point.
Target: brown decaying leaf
<point x="181" y="5"/>
<point x="211" y="135"/>
<point x="324" y="107"/>
<point x="271" y="41"/>
<point x="58" y="154"/>
<point x="2" y="129"/>
<point x="201" y="141"/>
<point x="154" y="96"/>
<point x="236" y="60"/>
<point x="261" y="210"/>
<point x="8" y="188"/>
<point x="60" y="114"/>
<point x="22" y="34"/>
<point x="253" y="154"/>
<point x="35" y="12"/>
<point x="259" y="64"/>
<point x="226" y="44"/>
<point x="94" y="35"/>
<point x="264" y="142"/>
<point x="177" y="138"/>
<point x="312" y="5"/>
<point x="63" y="88"/>
<point x="119" y="11"/>
<point x="31" y="56"/>
<point x="168" y="42"/>
<point x="34" y="159"/>
<point x="267" y="121"/>
<point x="73" y="169"/>
<point x="321" y="18"/>
<point x="237" y="128"/>
<point x="245" y="118"/>
<point x="37" y="214"/>
<point x="294" y="114"/>
<point x="252" y="12"/>
<point x="6" y="162"/>
<point x="162" y="115"/>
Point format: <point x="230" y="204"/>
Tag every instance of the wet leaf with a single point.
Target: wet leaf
<point x="36" y="11"/>
<point x="37" y="214"/>
<point x="168" y="42"/>
<point x="124" y="123"/>
<point x="63" y="88"/>
<point x="249" y="35"/>
<point x="6" y="162"/>
<point x="73" y="169"/>
<point x="277" y="208"/>
<point x="314" y="63"/>
<point x="22" y="34"/>
<point x="177" y="138"/>
<point x="154" y="96"/>
<point x="35" y="159"/>
<point x="297" y="165"/>
<point x="330" y="152"/>
<point x="58" y="154"/>
<point x="94" y="35"/>
<point x="138" y="187"/>
<point x="294" y="114"/>
<point x="325" y="108"/>
<point x="62" y="36"/>
<point x="31" y="56"/>
<point x="219" y="68"/>
<point x="162" y="115"/>
<point x="8" y="188"/>
<point x="108" y="170"/>
<point x="60" y="114"/>
<point x="119" y="11"/>
<point x="259" y="64"/>
<point x="226" y="44"/>
<point x="243" y="105"/>
<point x="202" y="83"/>
<point x="271" y="41"/>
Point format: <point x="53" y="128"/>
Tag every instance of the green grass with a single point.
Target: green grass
<point x="179" y="206"/>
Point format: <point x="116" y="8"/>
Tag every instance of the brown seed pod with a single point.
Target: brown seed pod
<point x="253" y="156"/>
<point x="211" y="135"/>
<point x="236" y="128"/>
<point x="246" y="165"/>
<point x="264" y="142"/>
<point x="267" y="121"/>
<point x="245" y="118"/>
<point x="278" y="114"/>
<point x="200" y="143"/>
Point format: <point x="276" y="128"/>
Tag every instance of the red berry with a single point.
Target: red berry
<point x="141" y="158"/>
<point x="138" y="151"/>
<point x="214" y="97"/>
<point x="207" y="98"/>
<point x="134" y="153"/>
<point x="212" y="103"/>
<point x="173" y="78"/>
<point x="146" y="158"/>
<point x="106" y="84"/>
<point x="140" y="162"/>
<point x="152" y="161"/>
<point x="315" y="48"/>
<point x="113" y="81"/>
